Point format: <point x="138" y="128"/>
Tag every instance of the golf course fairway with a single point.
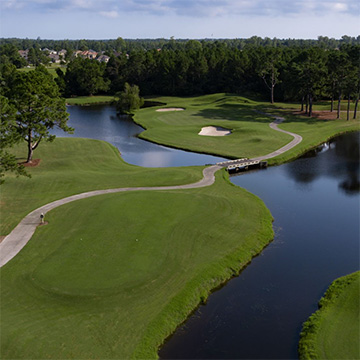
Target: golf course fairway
<point x="333" y="331"/>
<point x="112" y="276"/>
<point x="248" y="120"/>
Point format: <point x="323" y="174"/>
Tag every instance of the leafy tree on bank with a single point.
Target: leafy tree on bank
<point x="8" y="137"/>
<point x="39" y="108"/>
<point x="8" y="130"/>
<point x="129" y="100"/>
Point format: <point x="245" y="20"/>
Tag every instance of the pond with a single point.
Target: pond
<point x="102" y="123"/>
<point x="315" y="204"/>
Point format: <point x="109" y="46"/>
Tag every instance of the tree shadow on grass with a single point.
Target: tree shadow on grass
<point x="254" y="114"/>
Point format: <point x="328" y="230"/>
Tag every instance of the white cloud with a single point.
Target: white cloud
<point x="340" y="7"/>
<point x="109" y="14"/>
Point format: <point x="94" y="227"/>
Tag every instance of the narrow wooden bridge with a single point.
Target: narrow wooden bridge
<point x="242" y="164"/>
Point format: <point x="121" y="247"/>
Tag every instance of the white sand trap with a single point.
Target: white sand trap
<point x="170" y="109"/>
<point x="214" y="131"/>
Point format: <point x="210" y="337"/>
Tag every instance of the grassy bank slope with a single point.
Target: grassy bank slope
<point x="251" y="135"/>
<point x="69" y="166"/>
<point x="112" y="276"/>
<point x="90" y="100"/>
<point x="333" y="332"/>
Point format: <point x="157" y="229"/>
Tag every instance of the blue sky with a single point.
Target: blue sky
<point x="109" y="19"/>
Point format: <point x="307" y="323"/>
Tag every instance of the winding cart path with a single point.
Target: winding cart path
<point x="18" y="238"/>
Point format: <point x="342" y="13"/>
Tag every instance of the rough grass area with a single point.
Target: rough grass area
<point x="333" y="332"/>
<point x="90" y="100"/>
<point x="70" y="166"/>
<point x="251" y="135"/>
<point x="110" y="277"/>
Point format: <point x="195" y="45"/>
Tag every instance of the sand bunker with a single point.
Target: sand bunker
<point x="170" y="109"/>
<point x="214" y="131"/>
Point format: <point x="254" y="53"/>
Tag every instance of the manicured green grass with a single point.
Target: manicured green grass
<point x="70" y="166"/>
<point x="51" y="69"/>
<point x="333" y="332"/>
<point x="90" y="100"/>
<point x="110" y="277"/>
<point x="251" y="135"/>
<point x="313" y="131"/>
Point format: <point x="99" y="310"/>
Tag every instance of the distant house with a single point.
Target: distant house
<point x="103" y="58"/>
<point x="62" y="53"/>
<point x="50" y="52"/>
<point x="24" y="53"/>
<point x="55" y="58"/>
<point x="77" y="53"/>
<point x="89" y="54"/>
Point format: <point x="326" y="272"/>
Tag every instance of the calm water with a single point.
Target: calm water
<point x="315" y="203"/>
<point x="258" y="315"/>
<point x="101" y="122"/>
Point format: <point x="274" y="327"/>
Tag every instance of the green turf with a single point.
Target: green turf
<point x="333" y="332"/>
<point x="251" y="135"/>
<point x="51" y="69"/>
<point x="70" y="166"/>
<point x="90" y="100"/>
<point x="110" y="277"/>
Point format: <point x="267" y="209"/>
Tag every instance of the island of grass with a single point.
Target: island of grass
<point x="113" y="275"/>
<point x="247" y="120"/>
<point x="333" y="332"/>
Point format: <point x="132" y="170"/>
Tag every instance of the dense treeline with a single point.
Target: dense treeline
<point x="286" y="70"/>
<point x="128" y="45"/>
<point x="275" y="73"/>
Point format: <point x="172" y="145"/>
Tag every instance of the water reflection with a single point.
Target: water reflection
<point x="342" y="163"/>
<point x="102" y="123"/>
<point x="259" y="314"/>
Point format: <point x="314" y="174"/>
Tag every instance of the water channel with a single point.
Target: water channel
<point x="315" y="204"/>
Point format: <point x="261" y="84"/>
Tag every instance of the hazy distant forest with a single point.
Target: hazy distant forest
<point x="274" y="69"/>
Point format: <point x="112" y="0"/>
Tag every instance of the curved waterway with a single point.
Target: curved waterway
<point x="101" y="122"/>
<point x="258" y="315"/>
<point x="315" y="203"/>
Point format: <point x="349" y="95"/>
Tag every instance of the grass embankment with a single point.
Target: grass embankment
<point x="251" y="135"/>
<point x="70" y="166"/>
<point x="90" y="100"/>
<point x="112" y="276"/>
<point x="333" y="332"/>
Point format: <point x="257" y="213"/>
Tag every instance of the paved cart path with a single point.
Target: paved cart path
<point x="274" y="125"/>
<point x="18" y="238"/>
<point x="23" y="232"/>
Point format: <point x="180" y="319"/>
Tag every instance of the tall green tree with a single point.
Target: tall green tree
<point x="85" y="77"/>
<point x="8" y="137"/>
<point x="10" y="53"/>
<point x="39" y="107"/>
<point x="311" y="72"/>
<point x="129" y="100"/>
<point x="269" y="69"/>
